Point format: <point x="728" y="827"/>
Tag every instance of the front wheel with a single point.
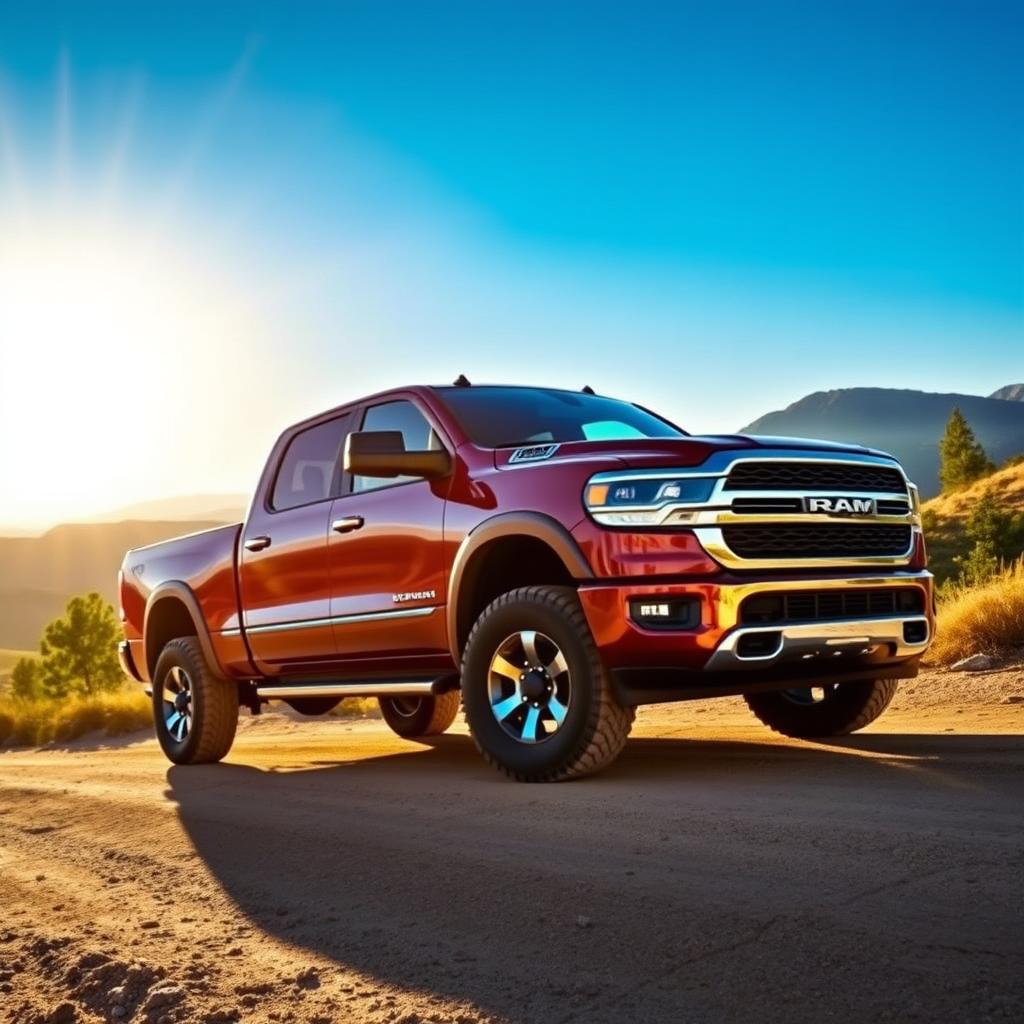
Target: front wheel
<point x="195" y="712"/>
<point x="830" y="709"/>
<point x="420" y="716"/>
<point x="538" y="699"/>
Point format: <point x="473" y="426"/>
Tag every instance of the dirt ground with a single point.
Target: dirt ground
<point x="331" y="872"/>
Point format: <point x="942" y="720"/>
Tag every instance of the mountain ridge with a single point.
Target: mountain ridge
<point x="903" y="421"/>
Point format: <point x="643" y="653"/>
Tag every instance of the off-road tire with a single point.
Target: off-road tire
<point x="596" y="725"/>
<point x="850" y="707"/>
<point x="214" y="705"/>
<point x="410" y="717"/>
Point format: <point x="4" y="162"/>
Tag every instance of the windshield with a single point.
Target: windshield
<point x="507" y="417"/>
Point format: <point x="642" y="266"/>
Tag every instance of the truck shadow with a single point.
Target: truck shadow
<point x="425" y="870"/>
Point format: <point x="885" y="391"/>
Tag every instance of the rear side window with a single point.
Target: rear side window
<point x="416" y="431"/>
<point x="310" y="467"/>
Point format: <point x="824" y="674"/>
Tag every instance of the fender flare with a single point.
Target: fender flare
<point x="183" y="593"/>
<point x="508" y="524"/>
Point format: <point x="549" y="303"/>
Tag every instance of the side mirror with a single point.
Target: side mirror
<point x="383" y="453"/>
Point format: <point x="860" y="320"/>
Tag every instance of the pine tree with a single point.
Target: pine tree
<point x="80" y="650"/>
<point x="962" y="460"/>
<point x="25" y="679"/>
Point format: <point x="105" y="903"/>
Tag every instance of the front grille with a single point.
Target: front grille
<point x="828" y="540"/>
<point x="777" y="609"/>
<point x="813" y="476"/>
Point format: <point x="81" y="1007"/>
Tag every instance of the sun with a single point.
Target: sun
<point x="100" y="325"/>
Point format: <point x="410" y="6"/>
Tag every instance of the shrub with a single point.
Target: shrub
<point x="30" y="723"/>
<point x="982" y="619"/>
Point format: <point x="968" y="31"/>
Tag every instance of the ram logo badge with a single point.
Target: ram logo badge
<point x="841" y="506"/>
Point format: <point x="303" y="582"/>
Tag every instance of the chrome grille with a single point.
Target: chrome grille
<point x="780" y="608"/>
<point x="811" y="540"/>
<point x="814" y="476"/>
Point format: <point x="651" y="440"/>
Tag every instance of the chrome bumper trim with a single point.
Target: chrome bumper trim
<point x="732" y="595"/>
<point x="820" y="640"/>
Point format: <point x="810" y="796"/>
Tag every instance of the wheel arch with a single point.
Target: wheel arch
<point x="173" y="611"/>
<point x="501" y="553"/>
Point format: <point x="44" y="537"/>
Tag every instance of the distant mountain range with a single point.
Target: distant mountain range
<point x="909" y="424"/>
<point x="39" y="574"/>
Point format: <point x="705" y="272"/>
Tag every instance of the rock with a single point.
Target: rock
<point x="974" y="663"/>
<point x="1014" y="698"/>
<point x="166" y="993"/>
<point x="309" y="978"/>
<point x="65" y="1013"/>
<point x="150" y="924"/>
<point x="584" y="922"/>
<point x="118" y="1012"/>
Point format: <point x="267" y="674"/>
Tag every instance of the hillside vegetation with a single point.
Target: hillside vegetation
<point x="946" y="517"/>
<point x="986" y="619"/>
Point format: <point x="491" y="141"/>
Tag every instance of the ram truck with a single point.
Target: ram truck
<point x="547" y="559"/>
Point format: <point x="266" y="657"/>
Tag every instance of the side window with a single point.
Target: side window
<point x="310" y="465"/>
<point x="416" y="432"/>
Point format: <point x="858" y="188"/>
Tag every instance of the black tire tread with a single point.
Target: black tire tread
<point x="785" y="720"/>
<point x="446" y="710"/>
<point x="219" y="698"/>
<point x="609" y="722"/>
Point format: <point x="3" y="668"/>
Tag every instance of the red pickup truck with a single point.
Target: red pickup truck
<point x="549" y="559"/>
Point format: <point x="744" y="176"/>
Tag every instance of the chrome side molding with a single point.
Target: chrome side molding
<point x="371" y="688"/>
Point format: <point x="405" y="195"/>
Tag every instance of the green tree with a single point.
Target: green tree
<point x="962" y="460"/>
<point x="994" y="535"/>
<point x="25" y="679"/>
<point x="80" y="650"/>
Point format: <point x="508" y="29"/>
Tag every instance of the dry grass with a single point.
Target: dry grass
<point x="981" y="620"/>
<point x="30" y="723"/>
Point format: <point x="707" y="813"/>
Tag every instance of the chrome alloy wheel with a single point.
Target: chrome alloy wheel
<point x="177" y="704"/>
<point x="405" y="706"/>
<point x="529" y="686"/>
<point x="810" y="694"/>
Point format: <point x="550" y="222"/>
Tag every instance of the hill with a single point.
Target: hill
<point x="906" y="423"/>
<point x="945" y="517"/>
<point x="1010" y="393"/>
<point x="39" y="574"/>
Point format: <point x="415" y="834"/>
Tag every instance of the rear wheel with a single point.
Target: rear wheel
<point x="420" y="716"/>
<point x="194" y="711"/>
<point x="831" y="709"/>
<point x="538" y="698"/>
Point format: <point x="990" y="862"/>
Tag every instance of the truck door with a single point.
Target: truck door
<point x="386" y="556"/>
<point x="284" y="580"/>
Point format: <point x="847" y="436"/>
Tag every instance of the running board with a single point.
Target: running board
<point x="371" y="688"/>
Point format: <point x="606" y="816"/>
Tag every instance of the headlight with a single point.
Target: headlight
<point x="644" y="502"/>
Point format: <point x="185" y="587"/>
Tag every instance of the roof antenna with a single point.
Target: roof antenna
<point x="462" y="381"/>
<point x="588" y="390"/>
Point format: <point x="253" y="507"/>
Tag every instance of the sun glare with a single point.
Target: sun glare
<point x="100" y="327"/>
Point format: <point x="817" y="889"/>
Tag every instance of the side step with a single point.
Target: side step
<point x="370" y="688"/>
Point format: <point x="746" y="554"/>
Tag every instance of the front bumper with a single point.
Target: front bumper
<point x="715" y="653"/>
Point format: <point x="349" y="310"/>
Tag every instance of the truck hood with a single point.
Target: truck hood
<point x="684" y="451"/>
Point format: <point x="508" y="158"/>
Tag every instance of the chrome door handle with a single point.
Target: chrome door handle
<point x="347" y="524"/>
<point x="257" y="543"/>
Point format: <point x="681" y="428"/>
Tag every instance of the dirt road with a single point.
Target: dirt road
<point x="331" y="872"/>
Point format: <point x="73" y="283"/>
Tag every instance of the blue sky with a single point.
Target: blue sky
<point x="711" y="208"/>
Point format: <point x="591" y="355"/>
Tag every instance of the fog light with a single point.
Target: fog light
<point x="915" y="632"/>
<point x="759" y="645"/>
<point x="665" y="612"/>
